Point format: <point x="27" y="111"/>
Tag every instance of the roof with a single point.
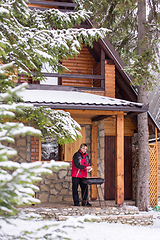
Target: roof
<point x="75" y="99"/>
<point x="129" y="90"/>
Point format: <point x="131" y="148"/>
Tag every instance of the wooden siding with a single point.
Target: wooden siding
<point x="82" y="64"/>
<point x="109" y="80"/>
<point x="69" y="149"/>
<point x="110" y="126"/>
<point x="101" y="93"/>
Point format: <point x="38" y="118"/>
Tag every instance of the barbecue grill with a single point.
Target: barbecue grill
<point x="94" y="181"/>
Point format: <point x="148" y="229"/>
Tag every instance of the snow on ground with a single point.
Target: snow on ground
<point x="115" y="231"/>
<point x="76" y="229"/>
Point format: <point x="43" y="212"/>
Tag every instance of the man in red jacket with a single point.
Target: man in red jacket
<point x="80" y="165"/>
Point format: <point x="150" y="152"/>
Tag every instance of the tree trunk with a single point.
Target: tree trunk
<point x="143" y="154"/>
<point x="143" y="148"/>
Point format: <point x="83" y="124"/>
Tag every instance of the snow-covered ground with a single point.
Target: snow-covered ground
<point x="115" y="231"/>
<point x="75" y="228"/>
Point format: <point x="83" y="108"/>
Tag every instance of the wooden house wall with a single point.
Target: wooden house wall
<point x="68" y="150"/>
<point x="110" y="127"/>
<point x="82" y="64"/>
<point x="109" y="80"/>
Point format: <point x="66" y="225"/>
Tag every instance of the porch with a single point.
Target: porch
<point x="88" y="110"/>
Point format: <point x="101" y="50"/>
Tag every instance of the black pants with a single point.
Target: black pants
<point x="84" y="189"/>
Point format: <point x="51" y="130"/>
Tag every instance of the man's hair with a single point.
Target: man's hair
<point x="83" y="145"/>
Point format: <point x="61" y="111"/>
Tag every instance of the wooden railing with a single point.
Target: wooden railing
<point x="52" y="4"/>
<point x="101" y="78"/>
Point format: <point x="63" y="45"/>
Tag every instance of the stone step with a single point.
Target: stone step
<point x="141" y="220"/>
<point x="124" y="214"/>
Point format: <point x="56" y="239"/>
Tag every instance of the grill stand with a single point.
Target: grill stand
<point x="96" y="181"/>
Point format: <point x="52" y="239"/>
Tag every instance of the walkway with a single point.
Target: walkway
<point x="127" y="213"/>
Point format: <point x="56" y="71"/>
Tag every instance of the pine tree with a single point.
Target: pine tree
<point x="16" y="180"/>
<point x="32" y="37"/>
<point x="29" y="38"/>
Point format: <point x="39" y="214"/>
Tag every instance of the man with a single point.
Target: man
<point x="80" y="165"/>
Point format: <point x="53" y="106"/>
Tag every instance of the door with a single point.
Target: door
<point x="110" y="154"/>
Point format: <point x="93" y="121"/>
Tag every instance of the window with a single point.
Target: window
<point x="49" y="150"/>
<point x="49" y="80"/>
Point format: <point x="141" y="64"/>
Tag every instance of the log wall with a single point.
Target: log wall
<point x="101" y="93"/>
<point x="109" y="80"/>
<point x="82" y="64"/>
<point x="110" y="127"/>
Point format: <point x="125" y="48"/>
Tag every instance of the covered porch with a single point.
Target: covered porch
<point x="90" y="109"/>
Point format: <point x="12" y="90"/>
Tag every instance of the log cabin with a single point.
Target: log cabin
<point x="98" y="95"/>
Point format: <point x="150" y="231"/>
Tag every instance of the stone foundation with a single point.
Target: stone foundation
<point x="56" y="187"/>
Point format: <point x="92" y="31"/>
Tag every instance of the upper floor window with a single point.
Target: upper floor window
<point x="49" y="80"/>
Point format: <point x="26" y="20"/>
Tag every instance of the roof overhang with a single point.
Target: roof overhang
<point x="78" y="100"/>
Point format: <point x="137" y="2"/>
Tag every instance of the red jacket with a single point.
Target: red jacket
<point x="79" y="163"/>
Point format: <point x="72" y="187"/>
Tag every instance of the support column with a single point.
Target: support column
<point x="94" y="158"/>
<point x="102" y="67"/>
<point x="119" y="165"/>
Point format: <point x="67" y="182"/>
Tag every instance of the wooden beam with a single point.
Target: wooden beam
<point x="92" y="112"/>
<point x="100" y="117"/>
<point x="52" y="4"/>
<point x="83" y="120"/>
<point x="102" y="67"/>
<point x="119" y="165"/>
<point x="94" y="159"/>
<point x="65" y="75"/>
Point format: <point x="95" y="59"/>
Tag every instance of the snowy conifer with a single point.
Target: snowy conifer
<point x="29" y="38"/>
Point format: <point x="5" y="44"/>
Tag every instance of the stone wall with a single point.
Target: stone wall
<point x="100" y="155"/>
<point x="23" y="148"/>
<point x="58" y="186"/>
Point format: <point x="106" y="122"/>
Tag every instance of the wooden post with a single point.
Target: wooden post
<point x="102" y="67"/>
<point x="119" y="165"/>
<point x="94" y="159"/>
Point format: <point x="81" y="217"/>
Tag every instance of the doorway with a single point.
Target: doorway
<point x="110" y="154"/>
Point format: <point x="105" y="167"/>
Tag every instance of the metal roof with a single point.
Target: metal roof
<point x="58" y="99"/>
